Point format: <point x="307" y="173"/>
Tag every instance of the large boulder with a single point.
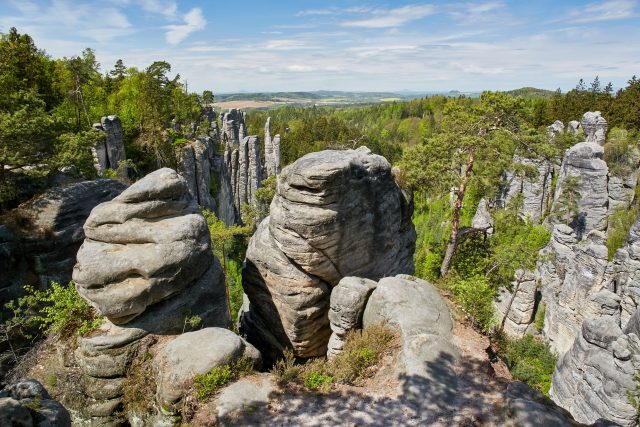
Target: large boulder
<point x="27" y="403"/>
<point x="425" y="363"/>
<point x="147" y="266"/>
<point x="148" y="244"/>
<point x="335" y="214"/>
<point x="515" y="307"/>
<point x="196" y="353"/>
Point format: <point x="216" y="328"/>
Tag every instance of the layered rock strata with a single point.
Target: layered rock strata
<point x="335" y="214"/>
<point x="146" y="265"/>
<point x="515" y="307"/>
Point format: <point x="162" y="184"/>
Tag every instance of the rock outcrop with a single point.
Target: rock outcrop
<point x="146" y="265"/>
<point x="40" y="246"/>
<point x="415" y="309"/>
<point x="583" y="182"/>
<point x="347" y="303"/>
<point x="515" y="307"/>
<point x="482" y="219"/>
<point x="109" y="152"/>
<point x="532" y="179"/>
<point x="335" y="214"/>
<point x="196" y="353"/>
<point x="195" y="164"/>
<point x="27" y="403"/>
<point x="271" y="151"/>
<point x="594" y="378"/>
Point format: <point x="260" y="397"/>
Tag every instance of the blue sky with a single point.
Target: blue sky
<point x="296" y="45"/>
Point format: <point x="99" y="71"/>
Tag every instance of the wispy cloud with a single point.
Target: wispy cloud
<point x="193" y="21"/>
<point x="603" y="11"/>
<point x="388" y="18"/>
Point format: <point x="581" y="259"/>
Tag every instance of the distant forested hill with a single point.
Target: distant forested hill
<point x="531" y="93"/>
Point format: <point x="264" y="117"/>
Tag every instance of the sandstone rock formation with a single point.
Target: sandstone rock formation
<point x="146" y="264"/>
<point x="536" y="189"/>
<point x="195" y="353"/>
<point x="40" y="246"/>
<point x="571" y="305"/>
<point x="482" y="219"/>
<point x="347" y="303"/>
<point x="594" y="127"/>
<point x="108" y="153"/>
<point x="415" y="309"/>
<point x="515" y="307"/>
<point x="271" y="150"/>
<point x="583" y="178"/>
<point x="335" y="214"/>
<point x="27" y="403"/>
<point x="195" y="163"/>
<point x="593" y="379"/>
<point x="530" y="408"/>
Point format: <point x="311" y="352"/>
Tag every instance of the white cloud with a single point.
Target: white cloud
<point x="193" y="21"/>
<point x="167" y="8"/>
<point x="387" y="18"/>
<point x="603" y="11"/>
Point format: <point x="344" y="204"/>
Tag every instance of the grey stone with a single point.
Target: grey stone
<point x="27" y="403"/>
<point x="108" y="153"/>
<point x="594" y="127"/>
<point x="415" y="309"/>
<point x="482" y="219"/>
<point x="573" y="127"/>
<point x="12" y="413"/>
<point x="244" y="395"/>
<point x="529" y="408"/>
<point x="514" y="308"/>
<point x="195" y="353"/>
<point x="347" y="303"/>
<point x="43" y="247"/>
<point x="335" y="214"/>
<point x="133" y="259"/>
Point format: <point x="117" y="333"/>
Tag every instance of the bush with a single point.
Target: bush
<point x="475" y="297"/>
<point x="620" y="223"/>
<point x="361" y="352"/>
<point x="58" y="310"/>
<point x="530" y="361"/>
<point x="207" y="384"/>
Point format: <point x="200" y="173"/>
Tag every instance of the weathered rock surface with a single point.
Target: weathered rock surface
<point x="583" y="178"/>
<point x="335" y="214"/>
<point x="47" y="234"/>
<point x="195" y="353"/>
<point x="146" y="264"/>
<point x="27" y="403"/>
<point x="593" y="379"/>
<point x="482" y="219"/>
<point x="245" y="394"/>
<point x="594" y="127"/>
<point x="271" y="150"/>
<point x="195" y="163"/>
<point x="529" y="408"/>
<point x="566" y="311"/>
<point x="109" y="152"/>
<point x="515" y="308"/>
<point x="415" y="309"/>
<point x="347" y="303"/>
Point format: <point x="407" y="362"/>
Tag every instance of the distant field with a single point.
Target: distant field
<point x="244" y="104"/>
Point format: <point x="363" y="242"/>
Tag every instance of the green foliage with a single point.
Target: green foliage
<point x="620" y="222"/>
<point x="475" y="297"/>
<point x="531" y="361"/>
<point x="622" y="156"/>
<point x="566" y="207"/>
<point x="361" y="353"/>
<point x="538" y="322"/>
<point x="206" y="385"/>
<point x="317" y="380"/>
<point x="634" y="395"/>
<point x="58" y="310"/>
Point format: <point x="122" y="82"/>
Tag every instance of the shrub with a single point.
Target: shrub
<point x="539" y="319"/>
<point x="361" y="352"/>
<point x="620" y="223"/>
<point x="58" y="310"/>
<point x="531" y="361"/>
<point x="206" y="385"/>
<point x="475" y="297"/>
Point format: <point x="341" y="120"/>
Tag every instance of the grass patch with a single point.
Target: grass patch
<point x="530" y="361"/>
<point x="620" y="223"/>
<point x="206" y="385"/>
<point x="361" y="353"/>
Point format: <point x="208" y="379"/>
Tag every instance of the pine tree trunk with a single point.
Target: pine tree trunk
<point x="455" y="218"/>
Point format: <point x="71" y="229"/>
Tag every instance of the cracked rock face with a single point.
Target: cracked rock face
<point x="515" y="308"/>
<point x="335" y="214"/>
